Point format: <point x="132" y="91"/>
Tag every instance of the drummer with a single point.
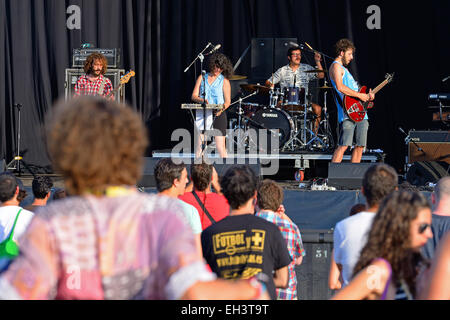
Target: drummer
<point x="293" y="75"/>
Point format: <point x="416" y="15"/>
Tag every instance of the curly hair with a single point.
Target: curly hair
<point x="390" y="236"/>
<point x="223" y="62"/>
<point x="88" y="64"/>
<point x="96" y="143"/>
<point x="343" y="45"/>
<point x="270" y="195"/>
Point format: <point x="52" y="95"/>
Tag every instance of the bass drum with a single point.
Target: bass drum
<point x="273" y="119"/>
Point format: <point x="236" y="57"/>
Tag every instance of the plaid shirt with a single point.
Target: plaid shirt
<point x="86" y="87"/>
<point x="293" y="238"/>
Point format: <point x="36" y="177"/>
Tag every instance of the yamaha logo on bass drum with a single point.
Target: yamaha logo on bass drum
<point x="270" y="115"/>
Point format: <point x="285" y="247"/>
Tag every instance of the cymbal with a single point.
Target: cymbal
<point x="237" y="77"/>
<point x="315" y="71"/>
<point x="255" y="87"/>
<point x="324" y="87"/>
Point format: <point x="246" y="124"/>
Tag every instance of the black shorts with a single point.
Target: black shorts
<point x="220" y="123"/>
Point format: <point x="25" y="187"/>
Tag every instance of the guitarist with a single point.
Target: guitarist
<point x="94" y="83"/>
<point x="344" y="84"/>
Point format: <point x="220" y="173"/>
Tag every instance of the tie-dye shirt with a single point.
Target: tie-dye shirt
<point x="130" y="247"/>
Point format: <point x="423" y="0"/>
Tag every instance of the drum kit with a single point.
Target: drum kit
<point x="288" y="113"/>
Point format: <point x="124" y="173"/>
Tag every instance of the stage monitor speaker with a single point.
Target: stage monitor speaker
<point x="435" y="146"/>
<point x="347" y="175"/>
<point x="312" y="274"/>
<point x="261" y="59"/>
<point x="147" y="179"/>
<point x="422" y="172"/>
<point x="114" y="75"/>
<point x="280" y="53"/>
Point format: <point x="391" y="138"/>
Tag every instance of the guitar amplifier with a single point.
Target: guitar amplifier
<point x="435" y="146"/>
<point x="80" y="55"/>
<point x="114" y="75"/>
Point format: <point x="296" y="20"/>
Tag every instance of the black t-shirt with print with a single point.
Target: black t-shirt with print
<point x="241" y="246"/>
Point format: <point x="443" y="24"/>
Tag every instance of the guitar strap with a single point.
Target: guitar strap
<point x="102" y="87"/>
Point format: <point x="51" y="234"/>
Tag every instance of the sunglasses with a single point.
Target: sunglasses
<point x="424" y="227"/>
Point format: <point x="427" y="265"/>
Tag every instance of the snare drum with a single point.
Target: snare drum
<point x="294" y="99"/>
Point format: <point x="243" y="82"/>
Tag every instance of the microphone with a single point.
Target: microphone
<point x="296" y="45"/>
<point x="445" y="79"/>
<point x="217" y="47"/>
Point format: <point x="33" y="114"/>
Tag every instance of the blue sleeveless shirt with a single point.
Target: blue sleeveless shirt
<point x="214" y="91"/>
<point x="350" y="82"/>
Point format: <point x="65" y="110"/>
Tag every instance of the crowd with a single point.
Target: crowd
<point x="200" y="236"/>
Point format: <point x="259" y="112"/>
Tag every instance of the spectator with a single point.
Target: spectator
<point x="242" y="245"/>
<point x="42" y="189"/>
<point x="108" y="241"/>
<point x="59" y="193"/>
<point x="212" y="207"/>
<point x="171" y="180"/>
<point x="440" y="224"/>
<point x="334" y="276"/>
<point x="10" y="211"/>
<point x="270" y="198"/>
<point x="350" y="234"/>
<point x="391" y="257"/>
<point x="438" y="286"/>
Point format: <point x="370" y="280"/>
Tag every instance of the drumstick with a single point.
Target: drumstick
<point x="309" y="46"/>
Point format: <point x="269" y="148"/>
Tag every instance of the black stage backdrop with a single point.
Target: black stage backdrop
<point x="158" y="39"/>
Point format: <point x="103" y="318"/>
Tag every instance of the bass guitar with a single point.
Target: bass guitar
<point x="357" y="109"/>
<point x="124" y="79"/>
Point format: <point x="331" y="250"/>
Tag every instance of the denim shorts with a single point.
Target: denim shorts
<point x="347" y="129"/>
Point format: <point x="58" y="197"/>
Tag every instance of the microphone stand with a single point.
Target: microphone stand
<point x="17" y="158"/>
<point x="201" y="57"/>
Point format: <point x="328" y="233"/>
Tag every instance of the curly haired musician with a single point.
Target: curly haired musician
<point x="218" y="91"/>
<point x="94" y="83"/>
<point x="344" y="84"/>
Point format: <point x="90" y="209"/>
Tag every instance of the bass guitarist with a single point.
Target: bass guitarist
<point x="94" y="83"/>
<point x="344" y="84"/>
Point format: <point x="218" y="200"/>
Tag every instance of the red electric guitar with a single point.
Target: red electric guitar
<point x="355" y="108"/>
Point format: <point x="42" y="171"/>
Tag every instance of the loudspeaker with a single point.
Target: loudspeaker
<point x="422" y="172"/>
<point x="347" y="175"/>
<point x="262" y="58"/>
<point x="114" y="75"/>
<point x="312" y="274"/>
<point x="148" y="176"/>
<point x="280" y="51"/>
<point x="435" y="146"/>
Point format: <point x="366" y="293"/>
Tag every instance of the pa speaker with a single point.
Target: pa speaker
<point x="222" y="168"/>
<point x="422" y="172"/>
<point x="312" y="274"/>
<point x="347" y="175"/>
<point x="261" y="58"/>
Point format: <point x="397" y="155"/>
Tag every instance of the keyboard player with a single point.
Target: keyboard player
<point x="218" y="91"/>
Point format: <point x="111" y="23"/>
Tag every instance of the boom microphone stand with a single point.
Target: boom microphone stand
<point x="15" y="162"/>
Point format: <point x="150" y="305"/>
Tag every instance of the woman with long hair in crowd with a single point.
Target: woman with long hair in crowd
<point x="391" y="258"/>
